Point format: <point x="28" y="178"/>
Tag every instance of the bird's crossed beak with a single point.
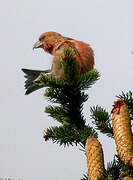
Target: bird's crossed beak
<point x="38" y="44"/>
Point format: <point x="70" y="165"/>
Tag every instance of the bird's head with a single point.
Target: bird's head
<point x="48" y="41"/>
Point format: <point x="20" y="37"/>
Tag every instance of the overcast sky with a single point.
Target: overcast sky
<point x="108" y="27"/>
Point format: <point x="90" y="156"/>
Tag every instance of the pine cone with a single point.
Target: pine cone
<point x="95" y="160"/>
<point x="122" y="132"/>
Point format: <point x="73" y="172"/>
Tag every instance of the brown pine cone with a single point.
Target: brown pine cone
<point x="95" y="160"/>
<point x="122" y="132"/>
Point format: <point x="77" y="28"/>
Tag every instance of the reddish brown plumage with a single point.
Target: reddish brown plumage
<point x="54" y="43"/>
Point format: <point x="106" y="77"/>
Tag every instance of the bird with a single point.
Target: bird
<point x="54" y="43"/>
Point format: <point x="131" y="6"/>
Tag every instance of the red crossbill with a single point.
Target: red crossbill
<point x="54" y="43"/>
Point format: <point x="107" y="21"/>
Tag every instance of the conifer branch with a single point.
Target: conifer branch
<point x="67" y="95"/>
<point x="85" y="81"/>
<point x="68" y="135"/>
<point x="45" y="80"/>
<point x="59" y="113"/>
<point x="113" y="169"/>
<point x="117" y="169"/>
<point x="102" y="120"/>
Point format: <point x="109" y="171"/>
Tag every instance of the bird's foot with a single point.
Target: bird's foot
<point x="40" y="77"/>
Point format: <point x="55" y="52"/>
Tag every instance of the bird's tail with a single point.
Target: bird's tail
<point x="31" y="76"/>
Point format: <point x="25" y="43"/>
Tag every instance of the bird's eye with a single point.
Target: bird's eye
<point x="42" y="38"/>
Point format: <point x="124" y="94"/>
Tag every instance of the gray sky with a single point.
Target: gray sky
<point x="108" y="27"/>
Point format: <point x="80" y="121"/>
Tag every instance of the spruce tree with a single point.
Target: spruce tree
<point x="68" y="97"/>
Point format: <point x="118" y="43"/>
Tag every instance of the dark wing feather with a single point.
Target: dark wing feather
<point x="30" y="76"/>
